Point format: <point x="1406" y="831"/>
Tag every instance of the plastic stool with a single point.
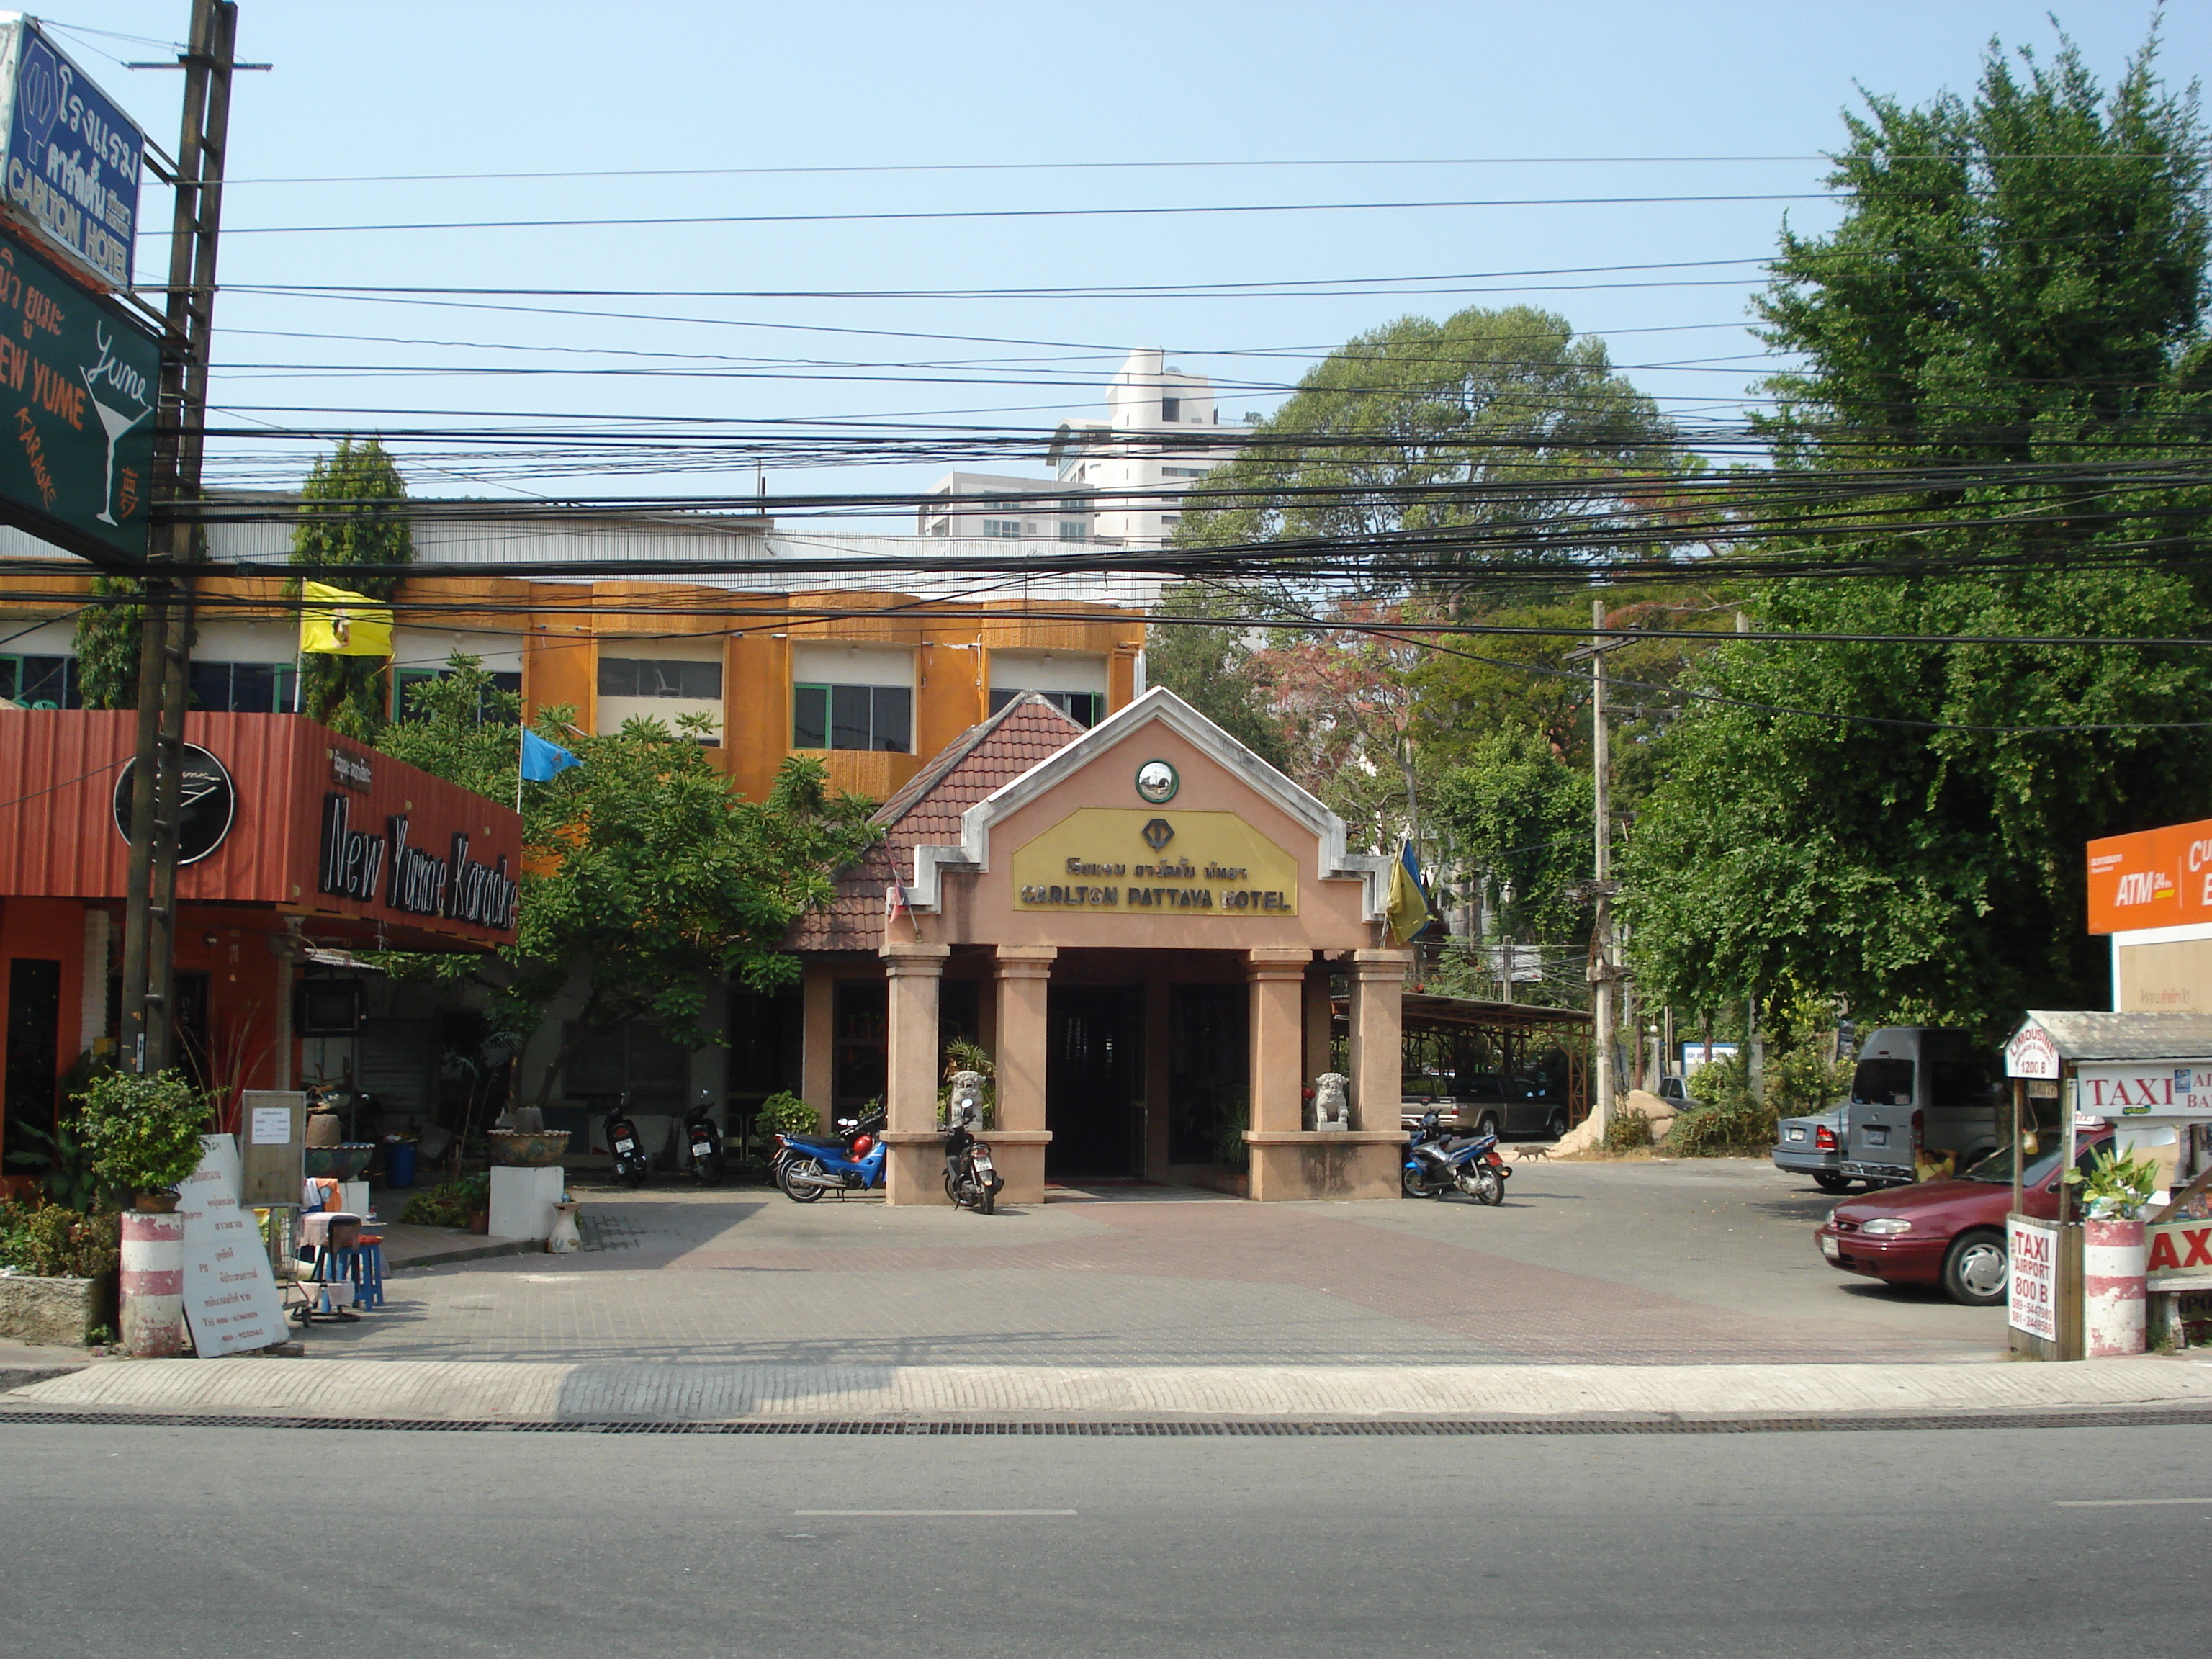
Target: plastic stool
<point x="363" y="1263"/>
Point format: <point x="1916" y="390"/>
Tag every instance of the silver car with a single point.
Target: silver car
<point x="1814" y="1146"/>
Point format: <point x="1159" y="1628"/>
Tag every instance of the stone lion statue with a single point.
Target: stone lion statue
<point x="965" y="1106"/>
<point x="1331" y="1110"/>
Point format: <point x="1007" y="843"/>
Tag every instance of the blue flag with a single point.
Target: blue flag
<point x="542" y="762"/>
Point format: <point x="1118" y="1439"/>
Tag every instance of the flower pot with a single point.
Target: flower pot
<point x="480" y="1221"/>
<point x="155" y="1203"/>
<point x="344" y="1163"/>
<point x="2114" y="1258"/>
<point x="153" y="1284"/>
<point x="527" y="1149"/>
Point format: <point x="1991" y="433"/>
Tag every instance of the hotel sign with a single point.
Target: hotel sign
<point x="1155" y="862"/>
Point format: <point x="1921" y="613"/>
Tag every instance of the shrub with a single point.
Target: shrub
<point x="1727" y="1121"/>
<point x="450" y="1205"/>
<point x="49" y="1242"/>
<point x="1630" y="1128"/>
<point x="786" y="1113"/>
<point x="144" y="1132"/>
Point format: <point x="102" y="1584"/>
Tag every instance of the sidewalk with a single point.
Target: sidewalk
<point x="457" y="1392"/>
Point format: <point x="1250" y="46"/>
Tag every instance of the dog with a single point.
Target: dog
<point x="1524" y="1154"/>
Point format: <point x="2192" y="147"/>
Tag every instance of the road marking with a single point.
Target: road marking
<point x="2121" y="1503"/>
<point x="943" y="1514"/>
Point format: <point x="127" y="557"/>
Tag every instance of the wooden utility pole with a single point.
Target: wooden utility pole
<point x="1602" y="965"/>
<point x="165" y="643"/>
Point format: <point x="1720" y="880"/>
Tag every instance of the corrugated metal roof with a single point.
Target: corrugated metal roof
<point x="1025" y="732"/>
<point x="2093" y="1035"/>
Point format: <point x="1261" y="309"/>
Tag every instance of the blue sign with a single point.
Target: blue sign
<point x="72" y="158"/>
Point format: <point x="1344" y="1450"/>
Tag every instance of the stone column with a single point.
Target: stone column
<point x="1378" y="986"/>
<point x="1024" y="983"/>
<point x="1317" y="1017"/>
<point x="1276" y="978"/>
<point x="915" y="1164"/>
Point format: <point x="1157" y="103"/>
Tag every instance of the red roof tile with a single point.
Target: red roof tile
<point x="984" y="759"/>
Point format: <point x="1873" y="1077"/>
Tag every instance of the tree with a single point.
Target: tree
<point x="1515" y="811"/>
<point x="1405" y="428"/>
<point x="1210" y="666"/>
<point x="107" y="637"/>
<point x="647" y="881"/>
<point x="351" y="513"/>
<point x="2016" y="296"/>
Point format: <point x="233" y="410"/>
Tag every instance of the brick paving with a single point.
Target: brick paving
<point x="1619" y="1264"/>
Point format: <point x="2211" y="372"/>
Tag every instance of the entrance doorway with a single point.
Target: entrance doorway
<point x="34" y="1018"/>
<point x="1091" y="1069"/>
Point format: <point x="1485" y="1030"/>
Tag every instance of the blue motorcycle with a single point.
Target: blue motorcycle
<point x="1438" y="1162"/>
<point x="807" y="1166"/>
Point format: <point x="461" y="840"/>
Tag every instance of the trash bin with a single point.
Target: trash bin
<point x="399" y="1163"/>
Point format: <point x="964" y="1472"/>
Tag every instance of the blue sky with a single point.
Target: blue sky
<point x="660" y="93"/>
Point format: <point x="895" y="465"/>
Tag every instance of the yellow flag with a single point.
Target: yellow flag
<point x="337" y="624"/>
<point x="1407" y="910"/>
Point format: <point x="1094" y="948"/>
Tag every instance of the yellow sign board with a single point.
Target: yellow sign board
<point x="1156" y="861"/>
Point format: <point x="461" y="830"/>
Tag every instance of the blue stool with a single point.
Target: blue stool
<point x="363" y="1263"/>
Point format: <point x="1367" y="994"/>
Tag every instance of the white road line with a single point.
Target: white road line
<point x="943" y="1514"/>
<point x="2122" y="1503"/>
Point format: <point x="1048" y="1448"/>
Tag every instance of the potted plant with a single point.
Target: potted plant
<point x="143" y="1133"/>
<point x="2113" y="1193"/>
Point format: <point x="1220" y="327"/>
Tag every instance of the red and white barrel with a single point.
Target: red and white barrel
<point x="153" y="1286"/>
<point x="2113" y="1262"/>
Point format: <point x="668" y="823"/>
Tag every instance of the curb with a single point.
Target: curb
<point x="22" y="1377"/>
<point x="469" y="1252"/>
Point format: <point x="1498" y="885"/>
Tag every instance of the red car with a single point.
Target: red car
<point x="1950" y="1233"/>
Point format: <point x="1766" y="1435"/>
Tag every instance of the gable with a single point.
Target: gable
<point x="1237" y="841"/>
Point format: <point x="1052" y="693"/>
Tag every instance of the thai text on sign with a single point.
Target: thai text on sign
<point x="1156" y="861"/>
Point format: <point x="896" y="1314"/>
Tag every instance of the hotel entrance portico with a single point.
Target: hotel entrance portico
<point x="1139" y="923"/>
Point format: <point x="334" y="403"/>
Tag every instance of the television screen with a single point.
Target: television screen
<point x="328" y="1008"/>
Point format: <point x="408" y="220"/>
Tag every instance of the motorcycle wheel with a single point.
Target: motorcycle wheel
<point x="634" y="1176"/>
<point x="708" y="1171"/>
<point x="1414" y="1186"/>
<point x="1484" y="1186"/>
<point x="986" y="1200"/>
<point x="798" y="1166"/>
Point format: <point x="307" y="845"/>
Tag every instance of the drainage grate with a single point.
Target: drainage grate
<point x="1238" y="1429"/>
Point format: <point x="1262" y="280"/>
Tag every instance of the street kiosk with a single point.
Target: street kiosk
<point x="2148" y="1078"/>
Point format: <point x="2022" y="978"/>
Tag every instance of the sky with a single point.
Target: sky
<point x="1666" y="143"/>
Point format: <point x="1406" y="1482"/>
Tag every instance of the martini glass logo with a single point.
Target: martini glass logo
<point x="118" y="395"/>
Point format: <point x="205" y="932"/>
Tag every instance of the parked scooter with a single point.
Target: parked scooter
<point x="972" y="1180"/>
<point x="807" y="1166"/>
<point x="702" y="1142"/>
<point x="631" y="1164"/>
<point x="1438" y="1162"/>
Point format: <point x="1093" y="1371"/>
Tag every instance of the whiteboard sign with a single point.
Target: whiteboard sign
<point x="272" y="1126"/>
<point x="230" y="1296"/>
<point x="2031" y="1286"/>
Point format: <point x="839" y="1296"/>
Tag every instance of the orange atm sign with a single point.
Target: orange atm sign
<point x="2153" y="879"/>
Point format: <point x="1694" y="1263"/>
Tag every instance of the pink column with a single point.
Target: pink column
<point x="1276" y="978"/>
<point x="153" y="1285"/>
<point x="1378" y="987"/>
<point x="915" y="1172"/>
<point x="1024" y="978"/>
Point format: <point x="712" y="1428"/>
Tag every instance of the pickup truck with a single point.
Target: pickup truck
<point x="1921" y="1094"/>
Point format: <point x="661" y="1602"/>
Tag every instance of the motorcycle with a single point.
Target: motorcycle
<point x="972" y="1181"/>
<point x="807" y="1166"/>
<point x="702" y="1142"/>
<point x="631" y="1164"/>
<point x="1438" y="1162"/>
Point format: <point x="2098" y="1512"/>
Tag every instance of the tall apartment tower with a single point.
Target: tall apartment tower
<point x="1119" y="479"/>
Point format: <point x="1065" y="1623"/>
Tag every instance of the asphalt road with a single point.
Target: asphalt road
<point x="127" y="1541"/>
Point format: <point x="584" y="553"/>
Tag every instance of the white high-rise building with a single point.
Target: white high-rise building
<point x="1130" y="468"/>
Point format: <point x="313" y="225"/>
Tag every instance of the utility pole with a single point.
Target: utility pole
<point x="1602" y="972"/>
<point x="165" y="644"/>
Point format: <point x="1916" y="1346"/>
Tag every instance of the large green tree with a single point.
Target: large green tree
<point x="352" y="512"/>
<point x="1505" y="421"/>
<point x="2002" y="354"/>
<point x="646" y="880"/>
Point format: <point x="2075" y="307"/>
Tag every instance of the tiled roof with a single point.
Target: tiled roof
<point x="927" y="811"/>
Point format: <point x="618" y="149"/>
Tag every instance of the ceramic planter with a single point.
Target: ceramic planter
<point x="523" y="1149"/>
<point x="2114" y="1258"/>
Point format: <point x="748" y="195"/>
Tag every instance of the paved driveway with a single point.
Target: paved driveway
<point x="1625" y="1263"/>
